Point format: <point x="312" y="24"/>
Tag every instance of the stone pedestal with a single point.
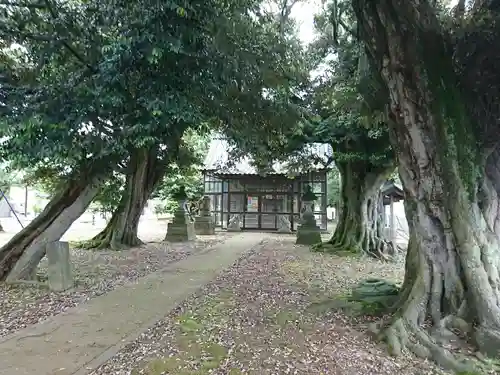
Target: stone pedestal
<point x="59" y="271"/>
<point x="204" y="223"/>
<point x="308" y="232"/>
<point x="181" y="228"/>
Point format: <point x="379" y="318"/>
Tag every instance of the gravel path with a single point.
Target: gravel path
<point x="96" y="273"/>
<point x="262" y="317"/>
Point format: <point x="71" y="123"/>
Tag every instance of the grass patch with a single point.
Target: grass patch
<point x="348" y="254"/>
<point x="346" y="304"/>
<point x="282" y="317"/>
<point x="331" y="249"/>
<point x="74" y="244"/>
<point x="336" y="304"/>
<point x="209" y="358"/>
<point x="188" y="324"/>
<point x="197" y="353"/>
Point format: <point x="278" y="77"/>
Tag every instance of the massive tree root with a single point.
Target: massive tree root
<point x="449" y="171"/>
<point x="20" y="256"/>
<point x="145" y="172"/>
<point x="360" y="226"/>
<point x="434" y="295"/>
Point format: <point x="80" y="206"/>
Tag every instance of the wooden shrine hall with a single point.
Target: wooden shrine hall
<point x="259" y="200"/>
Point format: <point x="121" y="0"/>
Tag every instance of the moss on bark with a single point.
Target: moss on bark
<point x="360" y="225"/>
<point x="452" y="270"/>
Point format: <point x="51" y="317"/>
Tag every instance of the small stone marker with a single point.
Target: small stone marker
<point x="59" y="272"/>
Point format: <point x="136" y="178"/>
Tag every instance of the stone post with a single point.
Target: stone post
<point x="308" y="232"/>
<point x="181" y="228"/>
<point x="59" y="272"/>
<point x="204" y="223"/>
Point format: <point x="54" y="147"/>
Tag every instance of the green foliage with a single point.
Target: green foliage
<point x="281" y="114"/>
<point x="333" y="187"/>
<point x="348" y="101"/>
<point x="46" y="180"/>
<point x="109" y="196"/>
<point x="342" y="124"/>
<point x="96" y="82"/>
<point x="183" y="174"/>
<point x="188" y="177"/>
<point x="37" y="209"/>
<point x="309" y="194"/>
<point x="9" y="177"/>
<point x="342" y="106"/>
<point x="166" y="206"/>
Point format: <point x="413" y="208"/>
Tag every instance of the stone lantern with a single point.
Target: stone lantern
<point x="182" y="226"/>
<point x="308" y="232"/>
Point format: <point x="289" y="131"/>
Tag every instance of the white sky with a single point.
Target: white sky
<point x="304" y="12"/>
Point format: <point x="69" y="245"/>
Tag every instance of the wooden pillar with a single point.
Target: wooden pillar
<point x="392" y="221"/>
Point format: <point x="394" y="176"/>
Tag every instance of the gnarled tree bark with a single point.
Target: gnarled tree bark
<point x="144" y="174"/>
<point x="360" y="224"/>
<point x="20" y="256"/>
<point x="451" y="186"/>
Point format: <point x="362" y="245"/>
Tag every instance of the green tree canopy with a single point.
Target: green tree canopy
<point x="107" y="87"/>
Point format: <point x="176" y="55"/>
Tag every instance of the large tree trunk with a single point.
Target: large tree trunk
<point x="144" y="174"/>
<point x="360" y="225"/>
<point x="451" y="188"/>
<point x="20" y="256"/>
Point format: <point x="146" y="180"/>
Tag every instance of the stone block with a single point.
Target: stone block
<point x="308" y="232"/>
<point x="60" y="270"/>
<point x="308" y="236"/>
<point x="180" y="232"/>
<point x="204" y="225"/>
<point x="191" y="231"/>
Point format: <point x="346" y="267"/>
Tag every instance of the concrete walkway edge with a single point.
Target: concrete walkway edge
<point x="85" y="337"/>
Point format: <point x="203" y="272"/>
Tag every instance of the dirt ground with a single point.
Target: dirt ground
<point x="271" y="313"/>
